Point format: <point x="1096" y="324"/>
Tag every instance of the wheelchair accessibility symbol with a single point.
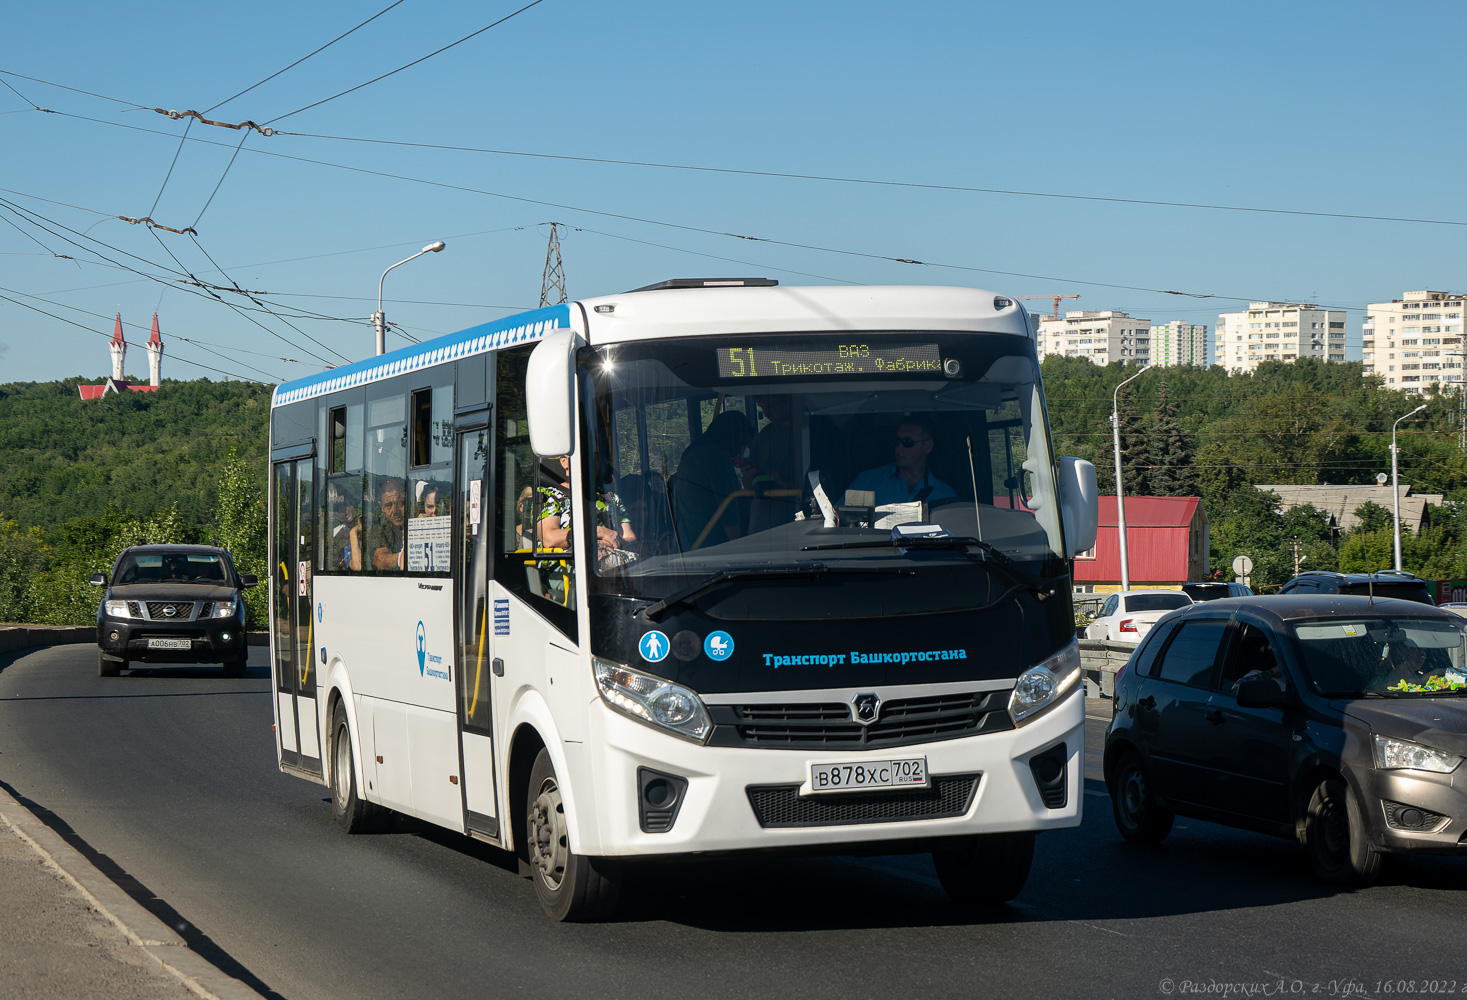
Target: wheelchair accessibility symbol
<point x="654" y="646"/>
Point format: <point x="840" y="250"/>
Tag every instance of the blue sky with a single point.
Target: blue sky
<point x="1336" y="108"/>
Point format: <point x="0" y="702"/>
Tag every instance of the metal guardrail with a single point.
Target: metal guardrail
<point x="1100" y="659"/>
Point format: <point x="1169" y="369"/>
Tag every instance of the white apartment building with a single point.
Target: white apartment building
<point x="1278" y="331"/>
<point x="1178" y="343"/>
<point x="1415" y="341"/>
<point x="1102" y="336"/>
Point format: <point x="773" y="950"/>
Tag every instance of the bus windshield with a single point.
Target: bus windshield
<point x="900" y="452"/>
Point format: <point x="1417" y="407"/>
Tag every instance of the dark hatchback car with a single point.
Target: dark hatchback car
<point x="1385" y="583"/>
<point x="1337" y="720"/>
<point x="172" y="604"/>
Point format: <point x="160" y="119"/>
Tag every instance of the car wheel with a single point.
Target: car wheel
<point x="236" y="667"/>
<point x="985" y="870"/>
<point x="1335" y="837"/>
<point x="570" y="887"/>
<point x="1133" y="802"/>
<point x="108" y="668"/>
<point x="352" y="813"/>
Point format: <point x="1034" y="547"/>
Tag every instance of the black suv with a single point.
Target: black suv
<point x="172" y="604"/>
<point x="1338" y="720"/>
<point x="1383" y="583"/>
<point x="1213" y="590"/>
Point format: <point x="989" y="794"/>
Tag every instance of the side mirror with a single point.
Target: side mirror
<point x="248" y="580"/>
<point x="1079" y="503"/>
<point x="99" y="580"/>
<point x="1262" y="692"/>
<point x="549" y="398"/>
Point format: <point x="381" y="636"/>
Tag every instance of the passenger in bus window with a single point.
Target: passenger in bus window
<point x="907" y="478"/>
<point x="707" y="482"/>
<point x="427" y="499"/>
<point x="346" y="538"/>
<point x="385" y="536"/>
<point x="613" y="527"/>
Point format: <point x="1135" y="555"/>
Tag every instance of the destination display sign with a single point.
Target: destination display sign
<point x="843" y="359"/>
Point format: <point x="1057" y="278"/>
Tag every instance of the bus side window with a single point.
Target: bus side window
<point x="385" y="547"/>
<point x="545" y="580"/>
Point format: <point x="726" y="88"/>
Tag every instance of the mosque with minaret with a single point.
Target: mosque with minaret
<point x="118" y="383"/>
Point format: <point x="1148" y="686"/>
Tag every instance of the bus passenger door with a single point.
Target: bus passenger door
<point x="475" y="627"/>
<point x="293" y="624"/>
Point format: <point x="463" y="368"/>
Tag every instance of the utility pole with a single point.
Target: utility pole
<point x="552" y="285"/>
<point x="1298" y="559"/>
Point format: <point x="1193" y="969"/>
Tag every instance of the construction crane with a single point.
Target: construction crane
<point x="1056" y="298"/>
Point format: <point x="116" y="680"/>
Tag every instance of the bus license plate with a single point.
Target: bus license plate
<point x="910" y="772"/>
<point x="170" y="644"/>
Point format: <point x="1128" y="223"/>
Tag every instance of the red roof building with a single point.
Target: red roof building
<point x="1167" y="538"/>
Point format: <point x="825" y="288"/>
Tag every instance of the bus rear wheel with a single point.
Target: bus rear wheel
<point x="570" y="887"/>
<point x="985" y="870"/>
<point x="352" y="813"/>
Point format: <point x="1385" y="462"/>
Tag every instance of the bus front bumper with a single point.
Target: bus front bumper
<point x="737" y="798"/>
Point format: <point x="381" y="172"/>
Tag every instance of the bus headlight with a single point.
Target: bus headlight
<point x="1044" y="684"/>
<point x="652" y="700"/>
<point x="115" y="609"/>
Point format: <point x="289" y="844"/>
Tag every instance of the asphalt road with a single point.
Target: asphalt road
<point x="167" y="778"/>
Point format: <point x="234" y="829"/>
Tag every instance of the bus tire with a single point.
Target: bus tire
<point x="352" y="813"/>
<point x="570" y="887"/>
<point x="108" y="668"/>
<point x="1336" y="839"/>
<point x="1133" y="803"/>
<point x="985" y="870"/>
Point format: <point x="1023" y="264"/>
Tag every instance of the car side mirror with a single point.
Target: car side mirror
<point x="248" y="580"/>
<point x="98" y="580"/>
<point x="1262" y="692"/>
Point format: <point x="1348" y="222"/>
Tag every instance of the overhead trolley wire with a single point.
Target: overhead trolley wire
<point x="399" y="69"/>
<point x="303" y="58"/>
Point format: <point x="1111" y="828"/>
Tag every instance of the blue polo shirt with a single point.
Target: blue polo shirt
<point x="890" y="487"/>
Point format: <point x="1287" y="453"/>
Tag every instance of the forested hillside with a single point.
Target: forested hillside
<point x="63" y="458"/>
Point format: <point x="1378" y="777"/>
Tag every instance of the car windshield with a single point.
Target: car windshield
<point x="1156" y="602"/>
<point x="1391" y="657"/>
<point x="812" y="453"/>
<point x="171" y="567"/>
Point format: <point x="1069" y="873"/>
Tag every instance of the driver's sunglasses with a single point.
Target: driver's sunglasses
<point x="910" y="442"/>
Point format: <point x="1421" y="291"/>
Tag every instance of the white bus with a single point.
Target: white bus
<point x="709" y="566"/>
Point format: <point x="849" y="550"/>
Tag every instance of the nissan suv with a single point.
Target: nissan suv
<point x="172" y="604"/>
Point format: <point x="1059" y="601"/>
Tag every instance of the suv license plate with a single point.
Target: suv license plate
<point x="170" y="644"/>
<point x="910" y="772"/>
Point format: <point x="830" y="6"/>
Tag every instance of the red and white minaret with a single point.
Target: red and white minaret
<point x="155" y="355"/>
<point x="118" y="348"/>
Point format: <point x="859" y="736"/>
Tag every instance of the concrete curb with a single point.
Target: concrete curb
<point x="136" y="923"/>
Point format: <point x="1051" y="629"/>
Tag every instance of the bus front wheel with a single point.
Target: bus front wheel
<point x="570" y="887"/>
<point x="985" y="870"/>
<point x="352" y="813"/>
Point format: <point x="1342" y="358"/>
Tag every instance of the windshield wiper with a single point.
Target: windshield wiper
<point x="654" y="612"/>
<point x="1043" y="588"/>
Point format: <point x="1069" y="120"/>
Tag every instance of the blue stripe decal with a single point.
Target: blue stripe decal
<point x="519" y="329"/>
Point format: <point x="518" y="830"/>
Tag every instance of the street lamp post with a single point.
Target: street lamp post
<point x="379" y="320"/>
<point x="1115" y="427"/>
<point x="1396" y="483"/>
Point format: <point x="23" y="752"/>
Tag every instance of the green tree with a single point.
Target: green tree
<point x="242" y="523"/>
<point x="1170" y="452"/>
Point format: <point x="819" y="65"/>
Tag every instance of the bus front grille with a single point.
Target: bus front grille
<point x="781" y="805"/>
<point x="830" y="726"/>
